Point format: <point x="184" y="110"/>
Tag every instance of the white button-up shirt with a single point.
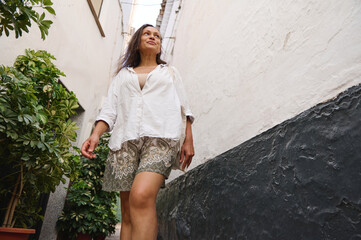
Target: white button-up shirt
<point x="154" y="111"/>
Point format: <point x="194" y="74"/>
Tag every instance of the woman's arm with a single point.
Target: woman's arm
<point x="187" y="151"/>
<point x="104" y="121"/>
<point x="92" y="142"/>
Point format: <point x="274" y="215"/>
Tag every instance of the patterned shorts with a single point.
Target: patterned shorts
<point x="147" y="154"/>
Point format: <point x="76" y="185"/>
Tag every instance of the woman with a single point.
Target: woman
<point x="144" y="110"/>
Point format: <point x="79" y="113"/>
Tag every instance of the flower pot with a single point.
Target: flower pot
<point x="84" y="236"/>
<point x="100" y="237"/>
<point x="15" y="233"/>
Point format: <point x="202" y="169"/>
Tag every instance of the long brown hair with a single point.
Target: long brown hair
<point x="131" y="58"/>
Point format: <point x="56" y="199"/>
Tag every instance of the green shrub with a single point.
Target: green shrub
<point x="88" y="209"/>
<point x="35" y="135"/>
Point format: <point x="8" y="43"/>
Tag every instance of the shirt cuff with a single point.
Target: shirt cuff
<point x="107" y="121"/>
<point x="190" y="115"/>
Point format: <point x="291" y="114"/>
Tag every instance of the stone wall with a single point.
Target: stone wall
<point x="299" y="180"/>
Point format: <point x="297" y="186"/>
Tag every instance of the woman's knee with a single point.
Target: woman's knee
<point x="125" y="208"/>
<point x="141" y="198"/>
<point x="126" y="215"/>
<point x="144" y="189"/>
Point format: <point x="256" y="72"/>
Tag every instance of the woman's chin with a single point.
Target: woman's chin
<point x="150" y="50"/>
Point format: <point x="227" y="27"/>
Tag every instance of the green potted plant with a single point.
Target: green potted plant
<point x="89" y="212"/>
<point x="35" y="137"/>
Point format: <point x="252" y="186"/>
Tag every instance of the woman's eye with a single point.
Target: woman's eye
<point x="146" y="33"/>
<point x="157" y="36"/>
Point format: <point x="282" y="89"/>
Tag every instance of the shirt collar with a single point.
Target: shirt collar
<point x="130" y="69"/>
<point x="161" y="65"/>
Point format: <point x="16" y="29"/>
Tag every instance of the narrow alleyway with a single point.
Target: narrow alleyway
<point x="116" y="235"/>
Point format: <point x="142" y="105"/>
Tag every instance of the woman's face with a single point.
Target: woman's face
<point x="150" y="41"/>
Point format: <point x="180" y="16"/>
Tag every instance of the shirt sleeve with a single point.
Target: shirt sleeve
<point x="186" y="110"/>
<point x="108" y="112"/>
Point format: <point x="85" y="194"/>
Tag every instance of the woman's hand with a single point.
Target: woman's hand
<point x="187" y="153"/>
<point x="187" y="150"/>
<point x="89" y="145"/>
<point x="92" y="142"/>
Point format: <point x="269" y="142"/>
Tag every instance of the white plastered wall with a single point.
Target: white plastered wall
<point x="249" y="65"/>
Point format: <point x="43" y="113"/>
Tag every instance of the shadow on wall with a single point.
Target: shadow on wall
<point x="299" y="180"/>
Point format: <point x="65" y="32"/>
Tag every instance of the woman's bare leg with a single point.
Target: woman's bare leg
<point x="142" y="205"/>
<point x="126" y="227"/>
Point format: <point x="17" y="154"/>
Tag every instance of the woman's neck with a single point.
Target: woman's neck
<point x="147" y="60"/>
